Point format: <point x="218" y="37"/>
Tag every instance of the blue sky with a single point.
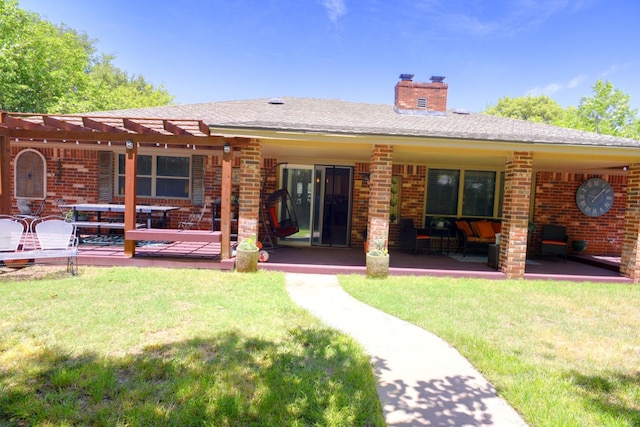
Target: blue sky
<point x="210" y="50"/>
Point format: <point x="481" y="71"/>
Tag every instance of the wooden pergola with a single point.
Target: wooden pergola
<point x="132" y="133"/>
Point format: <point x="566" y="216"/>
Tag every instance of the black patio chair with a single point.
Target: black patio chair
<point x="412" y="238"/>
<point x="554" y="241"/>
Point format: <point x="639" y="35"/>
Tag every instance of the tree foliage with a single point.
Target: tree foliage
<point x="541" y="109"/>
<point x="606" y="111"/>
<point x="54" y="69"/>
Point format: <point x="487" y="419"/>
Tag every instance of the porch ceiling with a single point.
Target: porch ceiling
<point x="484" y="154"/>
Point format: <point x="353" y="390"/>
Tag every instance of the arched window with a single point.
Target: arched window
<point x="30" y="175"/>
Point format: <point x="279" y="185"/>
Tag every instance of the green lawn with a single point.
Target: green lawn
<point x="562" y="353"/>
<point x="181" y="347"/>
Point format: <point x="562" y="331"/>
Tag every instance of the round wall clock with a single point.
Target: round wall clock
<point x="594" y="197"/>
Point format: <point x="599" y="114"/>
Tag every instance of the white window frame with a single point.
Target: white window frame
<point x="154" y="177"/>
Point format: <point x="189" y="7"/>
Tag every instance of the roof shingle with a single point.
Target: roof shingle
<point x="336" y="116"/>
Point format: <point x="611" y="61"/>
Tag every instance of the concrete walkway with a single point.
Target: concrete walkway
<point x="421" y="380"/>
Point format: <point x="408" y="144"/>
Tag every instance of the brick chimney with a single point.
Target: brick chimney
<point x="421" y="98"/>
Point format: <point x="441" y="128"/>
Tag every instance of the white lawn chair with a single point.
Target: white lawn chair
<point x="11" y="234"/>
<point x="55" y="234"/>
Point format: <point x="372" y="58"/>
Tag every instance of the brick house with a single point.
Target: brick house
<point x="352" y="166"/>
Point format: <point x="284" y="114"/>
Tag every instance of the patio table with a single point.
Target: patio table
<point x="98" y="208"/>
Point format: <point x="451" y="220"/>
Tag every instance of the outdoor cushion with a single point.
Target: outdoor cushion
<point x="553" y="242"/>
<point x="485" y="229"/>
<point x="474" y="227"/>
<point x="464" y="226"/>
<point x="476" y="239"/>
<point x="497" y="227"/>
<point x="273" y="217"/>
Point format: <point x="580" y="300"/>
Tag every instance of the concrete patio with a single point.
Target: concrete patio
<point x="319" y="260"/>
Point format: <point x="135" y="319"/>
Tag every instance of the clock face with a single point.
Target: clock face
<point x="594" y="197"/>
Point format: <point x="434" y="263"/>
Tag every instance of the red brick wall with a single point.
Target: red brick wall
<point x="360" y="207"/>
<point x="555" y="203"/>
<point x="75" y="178"/>
<point x="411" y="200"/>
<point x="71" y="175"/>
<point x="630" y="259"/>
<point x="407" y="93"/>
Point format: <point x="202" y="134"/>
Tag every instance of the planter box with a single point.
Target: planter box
<point x="247" y="261"/>
<point x="377" y="266"/>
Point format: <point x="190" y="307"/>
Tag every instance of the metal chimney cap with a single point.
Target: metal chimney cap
<point x="406" y="77"/>
<point x="437" y="79"/>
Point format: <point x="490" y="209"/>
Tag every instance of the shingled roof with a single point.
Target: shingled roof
<point x="343" y="117"/>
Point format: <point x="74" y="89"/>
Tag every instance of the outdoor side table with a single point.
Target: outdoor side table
<point x="493" y="255"/>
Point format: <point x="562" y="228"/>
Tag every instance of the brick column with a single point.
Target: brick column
<point x="5" y="175"/>
<point x="630" y="257"/>
<point x="249" y="197"/>
<point x="380" y="169"/>
<point x="515" y="214"/>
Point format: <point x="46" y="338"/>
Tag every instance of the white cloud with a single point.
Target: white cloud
<point x="336" y="9"/>
<point x="486" y="18"/>
<point x="615" y="69"/>
<point x="556" y="87"/>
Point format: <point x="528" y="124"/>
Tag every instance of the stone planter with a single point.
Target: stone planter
<point x="247" y="261"/>
<point x="579" y="245"/>
<point x="377" y="266"/>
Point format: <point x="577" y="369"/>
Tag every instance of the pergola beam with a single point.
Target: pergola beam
<point x="211" y="141"/>
<point x="179" y="132"/>
<point x="100" y="126"/>
<point x="61" y="124"/>
<point x="19" y="123"/>
<point x="174" y="129"/>
<point x="138" y="127"/>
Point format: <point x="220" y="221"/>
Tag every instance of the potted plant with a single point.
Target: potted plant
<point x="439" y="222"/>
<point x="579" y="245"/>
<point x="247" y="254"/>
<point x="82" y="216"/>
<point x="378" y="259"/>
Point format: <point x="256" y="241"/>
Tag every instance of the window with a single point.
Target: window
<point x="442" y="191"/>
<point x="158" y="176"/>
<point x="30" y="175"/>
<point x="477" y="189"/>
<point x="479" y="193"/>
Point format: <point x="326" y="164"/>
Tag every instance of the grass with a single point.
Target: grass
<point x="144" y="347"/>
<point x="562" y="353"/>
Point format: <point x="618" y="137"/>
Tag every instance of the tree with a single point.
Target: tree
<point x="54" y="69"/>
<point x="607" y="112"/>
<point x="38" y="63"/>
<point x="541" y="109"/>
<point x="110" y="88"/>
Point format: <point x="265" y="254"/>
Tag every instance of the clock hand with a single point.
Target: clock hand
<point x="593" y="199"/>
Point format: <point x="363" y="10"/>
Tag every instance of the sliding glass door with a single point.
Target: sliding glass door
<point x="332" y="213"/>
<point x="321" y="197"/>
